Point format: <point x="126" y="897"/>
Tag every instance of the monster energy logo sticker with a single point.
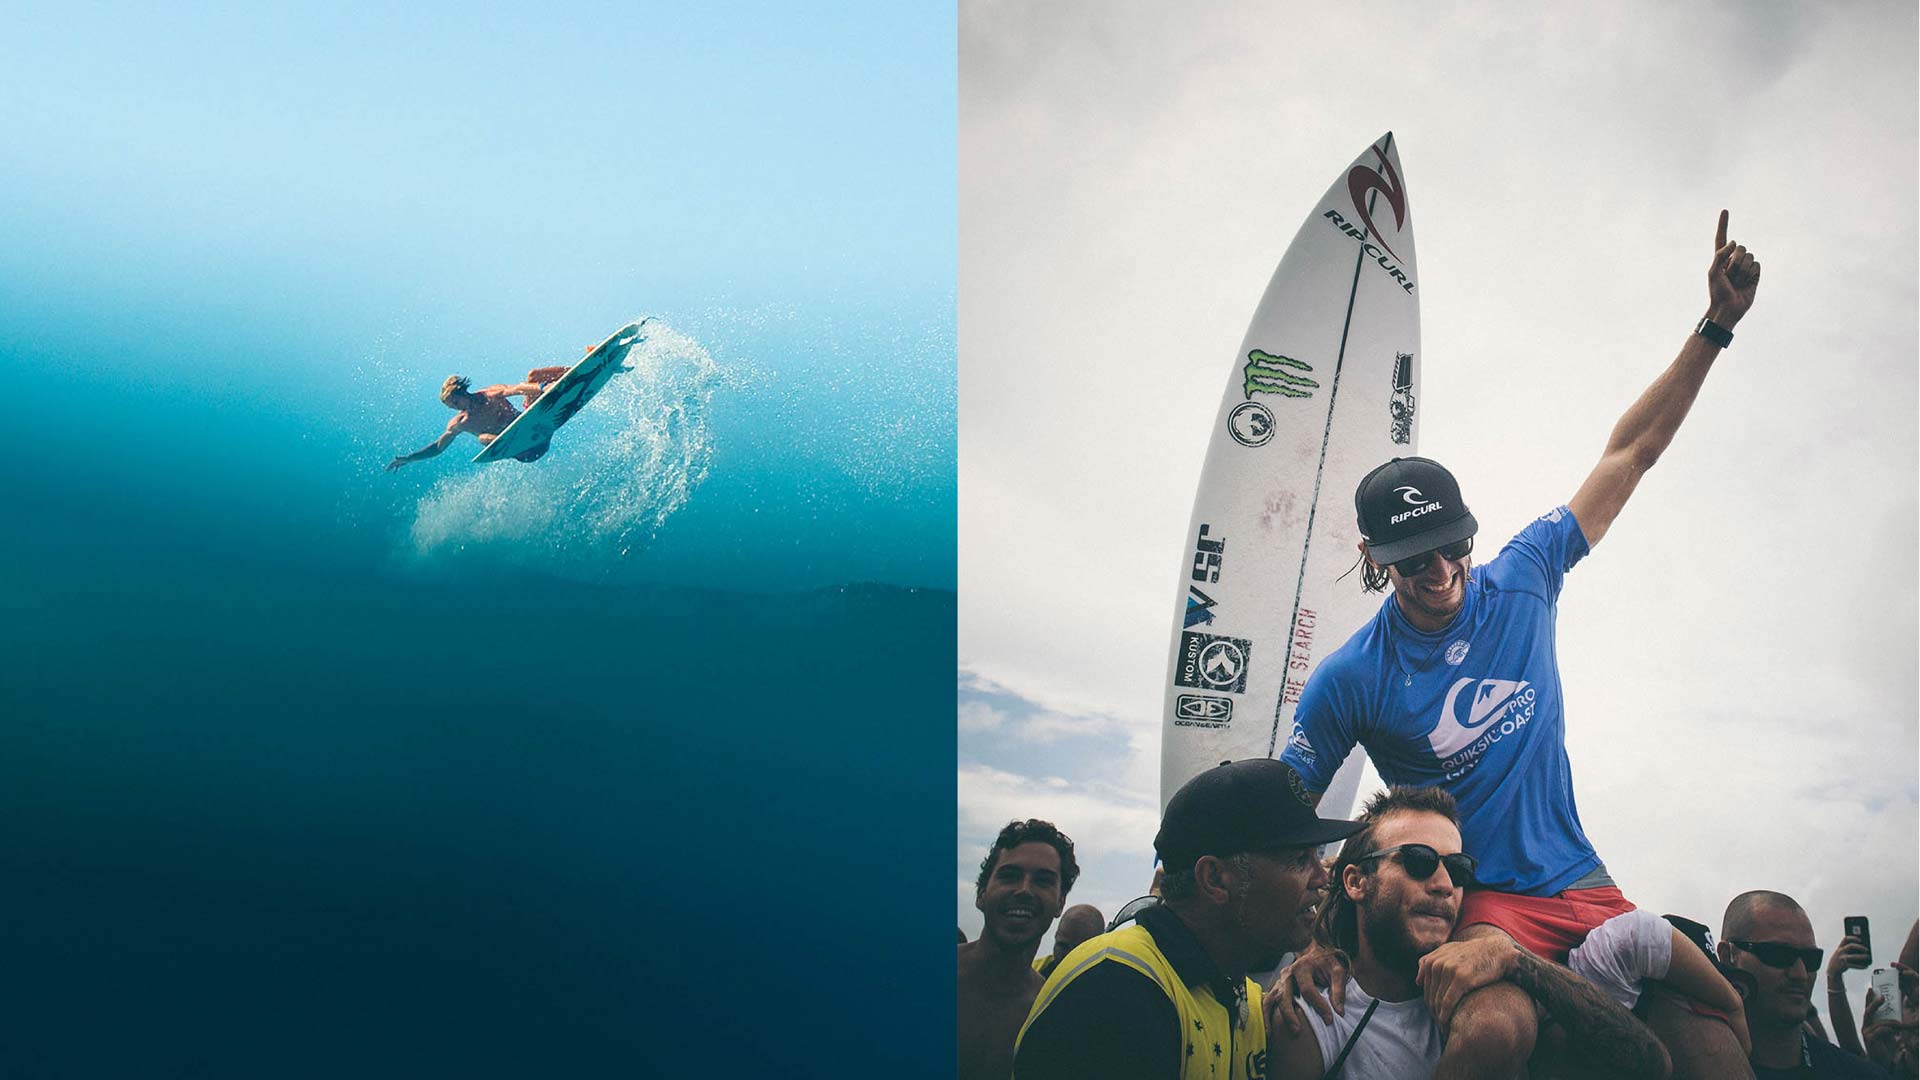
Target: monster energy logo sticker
<point x="1270" y="374"/>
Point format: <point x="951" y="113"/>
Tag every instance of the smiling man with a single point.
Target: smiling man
<point x="1168" y="996"/>
<point x="1456" y="684"/>
<point x="1023" y="882"/>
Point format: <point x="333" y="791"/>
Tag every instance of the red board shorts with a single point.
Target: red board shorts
<point x="1549" y="926"/>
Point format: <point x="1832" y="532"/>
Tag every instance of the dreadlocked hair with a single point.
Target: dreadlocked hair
<point x="1373" y="578"/>
<point x="1338" y="925"/>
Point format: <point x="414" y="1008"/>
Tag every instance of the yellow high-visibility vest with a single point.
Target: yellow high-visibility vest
<point x="1214" y="1047"/>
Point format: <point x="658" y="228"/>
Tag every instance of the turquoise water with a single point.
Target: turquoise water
<point x="312" y="769"/>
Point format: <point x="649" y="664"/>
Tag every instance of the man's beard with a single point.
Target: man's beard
<point x="1386" y="933"/>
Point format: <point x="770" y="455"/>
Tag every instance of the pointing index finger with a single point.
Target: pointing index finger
<point x="1720" y="234"/>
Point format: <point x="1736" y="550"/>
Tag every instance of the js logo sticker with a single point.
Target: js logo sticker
<point x="1266" y="373"/>
<point x="1206" y="558"/>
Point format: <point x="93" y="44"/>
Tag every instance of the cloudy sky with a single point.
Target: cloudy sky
<point x="1739" y="655"/>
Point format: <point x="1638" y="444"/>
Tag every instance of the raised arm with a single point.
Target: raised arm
<point x="1850" y="953"/>
<point x="1649" y="425"/>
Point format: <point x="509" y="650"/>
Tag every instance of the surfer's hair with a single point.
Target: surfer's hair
<point x="454" y="383"/>
<point x="1031" y="831"/>
<point x="1338" y="926"/>
<point x="1373" y="576"/>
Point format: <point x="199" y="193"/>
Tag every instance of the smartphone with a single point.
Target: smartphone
<point x="1856" y="927"/>
<point x="1886" y="983"/>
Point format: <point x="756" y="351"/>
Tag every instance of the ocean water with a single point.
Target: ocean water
<point x="585" y="767"/>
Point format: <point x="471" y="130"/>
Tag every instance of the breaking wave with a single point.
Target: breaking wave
<point x="616" y="473"/>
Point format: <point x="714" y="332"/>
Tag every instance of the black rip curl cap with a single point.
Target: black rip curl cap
<point x="1257" y="805"/>
<point x="1408" y="506"/>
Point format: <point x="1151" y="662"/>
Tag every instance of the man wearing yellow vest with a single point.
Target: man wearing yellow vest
<point x="1168" y="996"/>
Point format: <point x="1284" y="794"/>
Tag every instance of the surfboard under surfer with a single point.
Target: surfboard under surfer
<point x="485" y="412"/>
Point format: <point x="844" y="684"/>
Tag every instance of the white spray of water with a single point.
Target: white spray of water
<point x="616" y="473"/>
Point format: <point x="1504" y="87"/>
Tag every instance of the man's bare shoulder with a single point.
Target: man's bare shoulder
<point x="458" y="424"/>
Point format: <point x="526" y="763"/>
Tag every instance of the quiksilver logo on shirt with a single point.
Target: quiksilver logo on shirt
<point x="1477" y="714"/>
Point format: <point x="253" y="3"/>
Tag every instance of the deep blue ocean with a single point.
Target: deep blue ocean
<point x="612" y="764"/>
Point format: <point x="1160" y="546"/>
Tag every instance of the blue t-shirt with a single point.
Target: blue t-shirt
<point x="1474" y="709"/>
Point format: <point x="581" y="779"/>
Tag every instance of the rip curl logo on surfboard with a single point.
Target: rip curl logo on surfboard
<point x="1362" y="180"/>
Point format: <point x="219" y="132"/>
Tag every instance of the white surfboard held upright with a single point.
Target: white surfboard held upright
<point x="1324" y="387"/>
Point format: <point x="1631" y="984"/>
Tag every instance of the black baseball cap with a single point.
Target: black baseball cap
<point x="1408" y="506"/>
<point x="1257" y="805"/>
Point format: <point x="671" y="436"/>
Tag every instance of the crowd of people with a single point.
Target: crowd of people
<point x="1466" y="928"/>
<point x="1170" y="989"/>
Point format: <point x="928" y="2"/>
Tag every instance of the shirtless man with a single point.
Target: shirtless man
<point x="486" y="412"/>
<point x="1023" y="883"/>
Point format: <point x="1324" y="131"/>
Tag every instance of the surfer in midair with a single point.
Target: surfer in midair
<point x="1455" y="683"/>
<point x="485" y="412"/>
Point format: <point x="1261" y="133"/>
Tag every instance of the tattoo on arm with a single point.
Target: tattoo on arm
<point x="1595" y="1024"/>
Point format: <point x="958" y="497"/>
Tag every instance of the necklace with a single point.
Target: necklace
<point x="1441" y="633"/>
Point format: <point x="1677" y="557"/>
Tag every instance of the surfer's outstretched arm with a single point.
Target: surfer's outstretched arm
<point x="428" y="450"/>
<point x="1649" y="425"/>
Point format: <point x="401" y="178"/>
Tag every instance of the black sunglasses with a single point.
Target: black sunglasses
<point x="1775" y="955"/>
<point x="1415" y="564"/>
<point x="1421" y="861"/>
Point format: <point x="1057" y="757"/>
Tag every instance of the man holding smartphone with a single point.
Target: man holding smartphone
<point x="1854" y="951"/>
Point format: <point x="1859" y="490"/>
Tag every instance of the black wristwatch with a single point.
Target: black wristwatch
<point x="1714" y="332"/>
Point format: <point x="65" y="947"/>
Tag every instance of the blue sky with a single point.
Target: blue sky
<point x="764" y="146"/>
<point x="530" y="169"/>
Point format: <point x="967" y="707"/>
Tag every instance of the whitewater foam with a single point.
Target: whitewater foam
<point x="617" y="472"/>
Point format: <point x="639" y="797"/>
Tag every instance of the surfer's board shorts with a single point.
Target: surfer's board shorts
<point x="1549" y="926"/>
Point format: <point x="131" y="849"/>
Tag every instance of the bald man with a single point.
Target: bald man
<point x="1077" y="924"/>
<point x="1768" y="936"/>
